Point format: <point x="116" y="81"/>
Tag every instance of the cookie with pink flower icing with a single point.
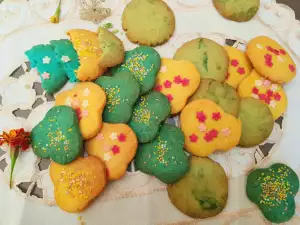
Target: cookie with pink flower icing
<point x="239" y="66"/>
<point x="270" y="93"/>
<point x="116" y="145"/>
<point x="271" y="60"/>
<point x="177" y="80"/>
<point x="207" y="128"/>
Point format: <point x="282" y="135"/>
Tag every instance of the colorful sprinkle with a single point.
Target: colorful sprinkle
<point x="163" y="69"/>
<point x="267" y="83"/>
<point x="85" y="103"/>
<point x="86" y="92"/>
<point x="106" y="157"/>
<point x="226" y="132"/>
<point x="209" y="136"/>
<point x="282" y="52"/>
<point x="270" y="93"/>
<point x="100" y="137"/>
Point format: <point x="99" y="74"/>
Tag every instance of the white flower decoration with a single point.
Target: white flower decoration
<point x="65" y="58"/>
<point x="163" y="69"/>
<point x="280" y="59"/>
<point x="85" y="103"/>
<point x="255" y="96"/>
<point x="46" y="76"/>
<point x="107" y="157"/>
<point x="258" y="83"/>
<point x="46" y="60"/>
<point x="273" y="104"/>
<point x="274" y="87"/>
<point x="68" y="101"/>
<point x="113" y="136"/>
<point x="86" y="92"/>
<point x="259" y="46"/>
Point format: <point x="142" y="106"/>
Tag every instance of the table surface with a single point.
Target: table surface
<point x="294" y="4"/>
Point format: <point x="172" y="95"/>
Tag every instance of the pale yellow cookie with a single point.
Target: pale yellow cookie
<point x="177" y="80"/>
<point x="263" y="89"/>
<point x="77" y="184"/>
<point x="88" y="100"/>
<point x="271" y="60"/>
<point x="208" y="128"/>
<point x="239" y="66"/>
<point x="116" y="145"/>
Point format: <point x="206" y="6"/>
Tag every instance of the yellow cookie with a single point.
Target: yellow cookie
<point x="77" y="184"/>
<point x="271" y="60"/>
<point x="177" y="80"/>
<point x="270" y="93"/>
<point x="88" y="48"/>
<point x="116" y="145"/>
<point x="239" y="66"/>
<point x="208" y="128"/>
<point x="88" y="100"/>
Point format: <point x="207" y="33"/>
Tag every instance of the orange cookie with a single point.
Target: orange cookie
<point x="271" y="60"/>
<point x="177" y="80"/>
<point x="89" y="51"/>
<point x="116" y="145"/>
<point x="270" y="93"/>
<point x="77" y="184"/>
<point x="208" y="128"/>
<point x="239" y="66"/>
<point x="88" y="100"/>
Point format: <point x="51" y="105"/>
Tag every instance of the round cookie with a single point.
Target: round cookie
<point x="144" y="63"/>
<point x="271" y="60"/>
<point x="57" y="136"/>
<point x="207" y="128"/>
<point x="220" y="93"/>
<point x="257" y="122"/>
<point x="209" y="57"/>
<point x="122" y="91"/>
<point x="148" y="22"/>
<point x="203" y="191"/>
<point x="270" y="93"/>
<point x="177" y="80"/>
<point x="88" y="100"/>
<point x="77" y="184"/>
<point x="239" y="66"/>
<point x="115" y="145"/>
<point x="164" y="157"/>
<point x="273" y="190"/>
<point x="237" y="10"/>
<point x="148" y="114"/>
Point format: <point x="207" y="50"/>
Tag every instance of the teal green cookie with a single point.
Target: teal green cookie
<point x="144" y="63"/>
<point x="122" y="91"/>
<point x="51" y="70"/>
<point x="203" y="191"/>
<point x="148" y="114"/>
<point x="273" y="190"/>
<point x="67" y="55"/>
<point x="58" y="136"/>
<point x="164" y="156"/>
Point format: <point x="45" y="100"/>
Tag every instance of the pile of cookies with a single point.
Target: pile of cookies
<point x="116" y="112"/>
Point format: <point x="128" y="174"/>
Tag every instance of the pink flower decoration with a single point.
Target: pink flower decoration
<point x="185" y="82"/>
<point x="267" y="100"/>
<point x="211" y="135"/>
<point x="177" y="79"/>
<point x="226" y="132"/>
<point x="234" y="62"/>
<point x="292" y="68"/>
<point x="267" y="83"/>
<point x="202" y="127"/>
<point x="193" y="138"/>
<point x="46" y="76"/>
<point x="158" y="88"/>
<point x="276" y="52"/>
<point x="262" y="96"/>
<point x="170" y="97"/>
<point x="269" y="63"/>
<point x="270" y="93"/>
<point x="106" y="148"/>
<point x="100" y="136"/>
<point x="201" y="117"/>
<point x="269" y="48"/>
<point x="216" y="116"/>
<point x="268" y="57"/>
<point x="115" y="149"/>
<point x="255" y="90"/>
<point x="75" y="103"/>
<point x="84" y="113"/>
<point x="277" y="96"/>
<point x="167" y="84"/>
<point x="241" y="70"/>
<point x="282" y="52"/>
<point x="122" y="137"/>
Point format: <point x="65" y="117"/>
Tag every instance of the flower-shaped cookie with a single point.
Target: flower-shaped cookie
<point x="116" y="145"/>
<point x="88" y="100"/>
<point x="273" y="190"/>
<point x="164" y="156"/>
<point x="208" y="128"/>
<point x="177" y="80"/>
<point x="57" y="136"/>
<point x="122" y="91"/>
<point x="239" y="66"/>
<point x="77" y="184"/>
<point x="148" y="113"/>
<point x="263" y="89"/>
<point x="271" y="60"/>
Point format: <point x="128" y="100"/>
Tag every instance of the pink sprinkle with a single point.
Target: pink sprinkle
<point x="277" y="96"/>
<point x="201" y="117"/>
<point x="170" y="97"/>
<point x="177" y="79"/>
<point x="255" y="90"/>
<point x="292" y="68"/>
<point x="226" y="132"/>
<point x="115" y="149"/>
<point x="100" y="137"/>
<point x="282" y="52"/>
<point x="167" y="84"/>
<point x="202" y="127"/>
<point x="185" y="82"/>
<point x="106" y="148"/>
<point x="267" y="83"/>
<point x="158" y="88"/>
<point x="216" y="116"/>
<point x="234" y="62"/>
<point x="122" y="137"/>
<point x="46" y="76"/>
<point x="241" y="70"/>
<point x="193" y="138"/>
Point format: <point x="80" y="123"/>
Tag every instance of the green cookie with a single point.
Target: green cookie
<point x="221" y="93"/>
<point x="164" y="157"/>
<point x="237" y="10"/>
<point x="58" y="136"/>
<point x="273" y="190"/>
<point x="144" y="63"/>
<point x="122" y="91"/>
<point x="67" y="55"/>
<point x="51" y="70"/>
<point x="203" y="191"/>
<point x="209" y="57"/>
<point x="257" y="122"/>
<point x="149" y="112"/>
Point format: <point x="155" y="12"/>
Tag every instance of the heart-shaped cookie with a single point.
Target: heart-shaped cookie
<point x="116" y="145"/>
<point x="208" y="128"/>
<point x="88" y="100"/>
<point x="57" y="136"/>
<point x="77" y="184"/>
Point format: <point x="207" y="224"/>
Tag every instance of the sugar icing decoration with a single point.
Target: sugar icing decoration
<point x="234" y="63"/>
<point x="202" y="127"/>
<point x="170" y="97"/>
<point x="46" y="76"/>
<point x="122" y="137"/>
<point x="216" y="116"/>
<point x="212" y="134"/>
<point x="163" y="69"/>
<point x="167" y="84"/>
<point x="226" y="132"/>
<point x="193" y="138"/>
<point x="46" y="60"/>
<point x="106" y="156"/>
<point x="85" y="103"/>
<point x="113" y="136"/>
<point x="142" y="114"/>
<point x="201" y="117"/>
<point x="65" y="58"/>
<point x="115" y="149"/>
<point x="292" y="68"/>
<point x="177" y="79"/>
<point x="86" y="92"/>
